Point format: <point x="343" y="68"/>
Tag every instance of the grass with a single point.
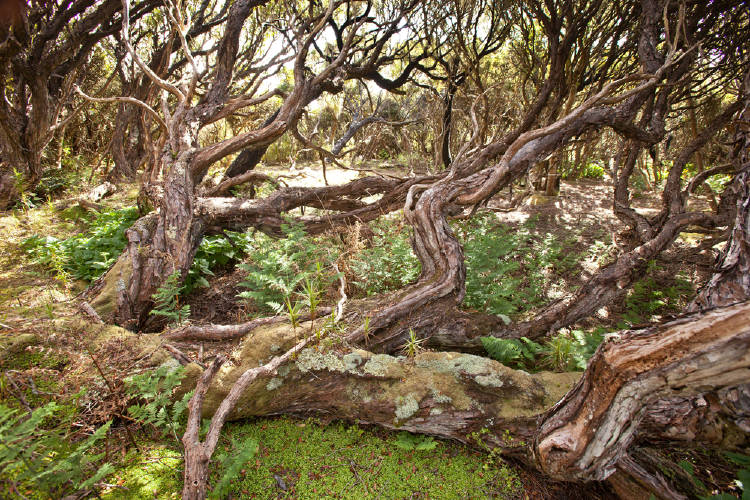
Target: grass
<point x="312" y="461"/>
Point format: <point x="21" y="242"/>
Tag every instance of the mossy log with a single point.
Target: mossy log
<point x="446" y="394"/>
<point x="568" y="425"/>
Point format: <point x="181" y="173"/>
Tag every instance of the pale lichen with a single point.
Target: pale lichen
<point x="406" y="406"/>
<point x="456" y="364"/>
<point x="352" y="361"/>
<point x="311" y="359"/>
<point x="439" y="397"/>
<point x="379" y="365"/>
<point x="357" y="393"/>
<point x="274" y="383"/>
<point x="491" y="380"/>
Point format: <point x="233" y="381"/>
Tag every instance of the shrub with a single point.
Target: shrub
<point x="214" y="252"/>
<point x="508" y="270"/>
<point x="563" y="352"/>
<point x="37" y="455"/>
<point x="592" y="171"/>
<point x="153" y="392"/>
<point x="167" y="301"/>
<point x="86" y="255"/>
<point x="650" y="299"/>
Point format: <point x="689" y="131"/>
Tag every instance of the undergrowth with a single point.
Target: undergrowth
<point x="215" y="252"/>
<point x="278" y="269"/>
<point x="654" y="296"/>
<point x="390" y="263"/>
<point x="85" y="255"/>
<point x="39" y="457"/>
<point x="509" y="270"/>
<point x="563" y="352"/>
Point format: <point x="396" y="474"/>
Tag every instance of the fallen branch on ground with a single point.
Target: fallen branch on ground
<point x="229" y="332"/>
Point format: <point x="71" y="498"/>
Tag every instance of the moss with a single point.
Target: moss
<point x="113" y="281"/>
<point x="557" y="385"/>
<point x="12" y="345"/>
<point x="345" y="461"/>
<point x="459" y="381"/>
<point x="152" y="473"/>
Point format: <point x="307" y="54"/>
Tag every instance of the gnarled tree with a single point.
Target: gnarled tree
<point x="630" y="86"/>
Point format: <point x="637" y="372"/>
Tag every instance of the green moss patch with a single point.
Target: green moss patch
<point x="309" y="460"/>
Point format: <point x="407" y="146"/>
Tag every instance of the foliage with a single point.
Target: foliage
<point x="409" y="441"/>
<point x="563" y="352"/>
<point x="167" y="301"/>
<point x="232" y="461"/>
<point x="278" y="268"/>
<point x="33" y="452"/>
<point x="86" y="255"/>
<point x="512" y="352"/>
<point x="413" y="345"/>
<point x="743" y="475"/>
<point x="154" y="392"/>
<point x="702" y="491"/>
<point x="214" y="252"/>
<point x="649" y="299"/>
<point x="592" y="171"/>
<point x="26" y="200"/>
<point x="390" y="263"/>
<point x="508" y="270"/>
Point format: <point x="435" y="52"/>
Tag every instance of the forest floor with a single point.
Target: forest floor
<point x="49" y="354"/>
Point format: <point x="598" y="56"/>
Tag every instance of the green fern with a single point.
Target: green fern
<point x="390" y="263"/>
<point x="563" y="352"/>
<point x="34" y="454"/>
<point x="167" y="301"/>
<point x="231" y="460"/>
<point x="277" y="269"/>
<point x="408" y="441"/>
<point x="154" y="392"/>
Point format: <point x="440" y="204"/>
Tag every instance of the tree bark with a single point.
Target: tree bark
<point x="731" y="280"/>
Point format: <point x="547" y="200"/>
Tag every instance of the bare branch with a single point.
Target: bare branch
<point x="130" y="100"/>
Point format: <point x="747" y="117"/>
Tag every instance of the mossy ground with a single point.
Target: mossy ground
<point x="309" y="460"/>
